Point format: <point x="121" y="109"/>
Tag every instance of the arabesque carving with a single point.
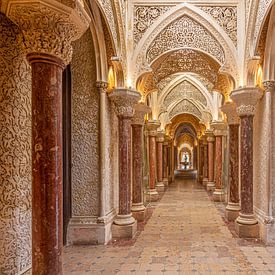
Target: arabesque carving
<point x="185" y="106"/>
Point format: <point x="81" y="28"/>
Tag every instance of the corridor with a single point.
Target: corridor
<point x="185" y="235"/>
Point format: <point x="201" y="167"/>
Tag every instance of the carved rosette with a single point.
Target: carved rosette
<point x="140" y="110"/>
<point x="246" y="99"/>
<point x="152" y="126"/>
<point x="125" y="101"/>
<point x="48" y="27"/>
<point x="219" y="128"/>
<point x="230" y="109"/>
<point x="269" y="85"/>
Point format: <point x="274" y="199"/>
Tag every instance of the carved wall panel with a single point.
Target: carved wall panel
<point x="185" y="106"/>
<point x="185" y="32"/>
<point x="184" y="90"/>
<point x="85" y="129"/>
<point x="15" y="152"/>
<point x="145" y="16"/>
<point x="226" y="17"/>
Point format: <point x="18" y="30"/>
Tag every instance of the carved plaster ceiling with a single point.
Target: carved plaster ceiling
<point x="185" y="138"/>
<point x="185" y="60"/>
<point x="185" y="106"/>
<point x="224" y="85"/>
<point x="185" y="32"/>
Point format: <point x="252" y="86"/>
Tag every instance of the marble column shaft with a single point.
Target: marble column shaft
<point x="165" y="161"/>
<point x="218" y="162"/>
<point x="205" y="160"/>
<point x="152" y="161"/>
<point x="210" y="159"/>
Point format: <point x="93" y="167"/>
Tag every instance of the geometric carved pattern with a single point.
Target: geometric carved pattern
<point x="184" y="90"/>
<point x="226" y="17"/>
<point x="185" y="32"/>
<point x="185" y="106"/>
<point x="144" y="17"/>
<point x="185" y="60"/>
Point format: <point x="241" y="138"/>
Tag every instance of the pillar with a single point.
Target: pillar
<point x="160" y="139"/>
<point x="125" y="225"/>
<point x="201" y="157"/>
<point x="165" y="163"/>
<point x="210" y="140"/>
<point x="219" y="131"/>
<point x="152" y="126"/>
<point x="47" y="52"/>
<point x="246" y="99"/>
<point x="233" y="206"/>
<point x="138" y="208"/>
<point x="205" y="162"/>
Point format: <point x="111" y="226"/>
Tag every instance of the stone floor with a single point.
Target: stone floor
<point x="185" y="235"/>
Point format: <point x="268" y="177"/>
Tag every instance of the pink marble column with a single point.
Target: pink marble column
<point x="246" y="100"/>
<point x="138" y="208"/>
<point x="205" y="162"/>
<point x="210" y="140"/>
<point x="219" y="132"/>
<point x="233" y="206"/>
<point x="160" y="139"/>
<point x="165" y="163"/>
<point x="124" y="223"/>
<point x="152" y="126"/>
<point x="201" y="157"/>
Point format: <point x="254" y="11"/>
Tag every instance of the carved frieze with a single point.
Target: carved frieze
<point x="185" y="106"/>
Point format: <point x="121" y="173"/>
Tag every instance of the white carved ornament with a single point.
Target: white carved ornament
<point x="185" y="106"/>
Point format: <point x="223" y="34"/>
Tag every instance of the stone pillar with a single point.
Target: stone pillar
<point x="48" y="51"/>
<point x="246" y="100"/>
<point x="152" y="126"/>
<point x="138" y="208"/>
<point x="219" y="132"/>
<point x="165" y="163"/>
<point x="201" y="157"/>
<point x="205" y="162"/>
<point x="233" y="206"/>
<point x="210" y="140"/>
<point x="160" y="139"/>
<point x="195" y="157"/>
<point x="125" y="225"/>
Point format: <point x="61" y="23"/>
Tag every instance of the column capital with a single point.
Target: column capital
<point x="124" y="100"/>
<point x="219" y="128"/>
<point x="209" y="136"/>
<point x="48" y="27"/>
<point x="140" y="110"/>
<point x="160" y="136"/>
<point x="152" y="126"/>
<point x="269" y="85"/>
<point x="230" y="109"/>
<point x="246" y="99"/>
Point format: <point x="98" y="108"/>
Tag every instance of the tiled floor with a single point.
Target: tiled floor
<point x="185" y="235"/>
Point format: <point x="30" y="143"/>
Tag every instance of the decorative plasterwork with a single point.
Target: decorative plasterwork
<point x="185" y="138"/>
<point x="186" y="60"/>
<point x="184" y="90"/>
<point x="224" y="86"/>
<point x="144" y="17"/>
<point x="226" y="17"/>
<point x="146" y="85"/>
<point x="185" y="32"/>
<point x="185" y="106"/>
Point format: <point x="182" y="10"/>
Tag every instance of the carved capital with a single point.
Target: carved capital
<point x="246" y="99"/>
<point x="140" y="110"/>
<point x="219" y="128"/>
<point x="152" y="126"/>
<point x="209" y="136"/>
<point x="125" y="101"/>
<point x="269" y="85"/>
<point x="48" y="26"/>
<point x="230" y="109"/>
<point x="160" y="136"/>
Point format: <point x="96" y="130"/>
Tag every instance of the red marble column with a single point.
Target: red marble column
<point x="165" y="164"/>
<point x="233" y="206"/>
<point x="124" y="100"/>
<point x="160" y="139"/>
<point x="205" y="162"/>
<point x="210" y="184"/>
<point x="138" y="208"/>
<point x="201" y="157"/>
<point x="152" y="194"/>
<point x="246" y="100"/>
<point x="46" y="163"/>
<point x="219" y="132"/>
<point x="195" y="157"/>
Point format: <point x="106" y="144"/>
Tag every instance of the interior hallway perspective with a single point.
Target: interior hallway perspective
<point x="186" y="234"/>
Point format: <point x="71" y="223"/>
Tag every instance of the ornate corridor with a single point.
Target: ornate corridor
<point x="137" y="135"/>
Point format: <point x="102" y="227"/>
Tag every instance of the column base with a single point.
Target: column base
<point x="152" y="195"/>
<point x="218" y="195"/>
<point x="165" y="182"/>
<point x="210" y="186"/>
<point x="247" y="230"/>
<point x="124" y="219"/>
<point x="124" y="231"/>
<point x="160" y="187"/>
<point x="204" y="182"/>
<point x="139" y="211"/>
<point x="232" y="211"/>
